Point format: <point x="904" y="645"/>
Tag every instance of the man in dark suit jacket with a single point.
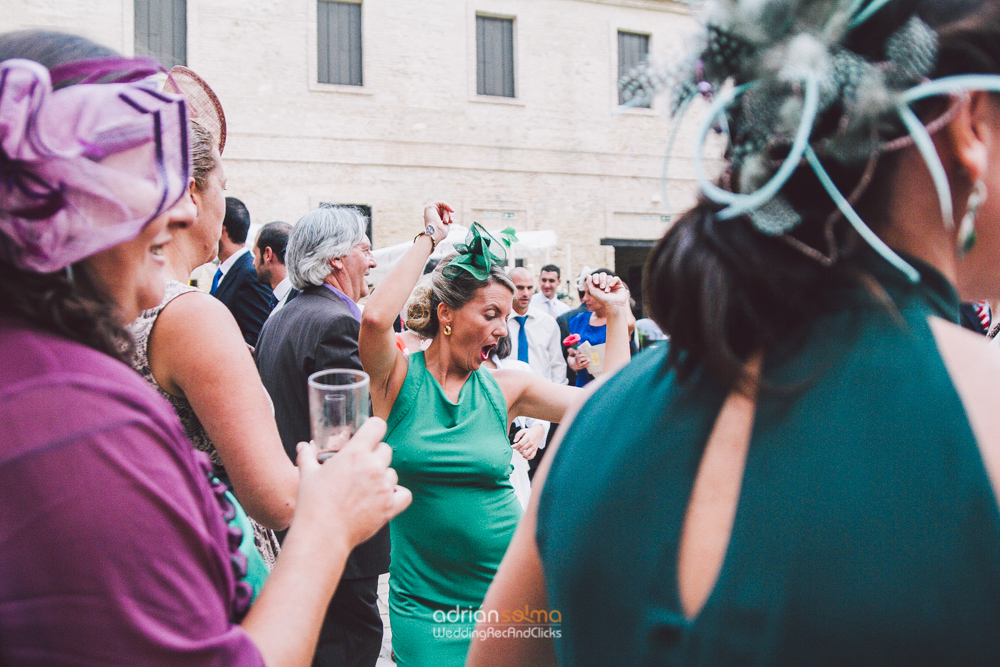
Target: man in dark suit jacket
<point x="235" y="283"/>
<point x="328" y="258"/>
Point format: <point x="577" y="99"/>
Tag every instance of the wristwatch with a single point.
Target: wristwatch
<point x="428" y="231"/>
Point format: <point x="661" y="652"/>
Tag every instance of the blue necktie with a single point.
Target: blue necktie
<point x="272" y="303"/>
<point x="215" y="281"/>
<point x="522" y="339"/>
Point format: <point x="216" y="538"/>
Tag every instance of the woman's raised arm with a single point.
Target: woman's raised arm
<point x="530" y="396"/>
<point x="380" y="357"/>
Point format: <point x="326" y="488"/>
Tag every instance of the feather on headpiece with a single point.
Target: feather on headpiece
<point x="480" y="252"/>
<point x="787" y="64"/>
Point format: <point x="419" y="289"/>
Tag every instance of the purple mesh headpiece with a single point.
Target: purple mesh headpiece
<point x="83" y="168"/>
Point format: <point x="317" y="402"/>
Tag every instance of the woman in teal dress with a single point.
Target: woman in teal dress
<point x="447" y="421"/>
<point x="811" y="476"/>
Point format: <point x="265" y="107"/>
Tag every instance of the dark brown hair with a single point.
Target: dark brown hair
<point x="724" y="291"/>
<point x="65" y="303"/>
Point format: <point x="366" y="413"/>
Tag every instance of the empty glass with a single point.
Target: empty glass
<point x="338" y="406"/>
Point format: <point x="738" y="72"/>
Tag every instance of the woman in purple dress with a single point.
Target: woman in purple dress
<point x="114" y="544"/>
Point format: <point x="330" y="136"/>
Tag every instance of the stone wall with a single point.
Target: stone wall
<point x="559" y="156"/>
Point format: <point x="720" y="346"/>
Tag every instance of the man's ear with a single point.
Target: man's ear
<point x="268" y="256"/>
<point x="337" y="263"/>
<point x="964" y="142"/>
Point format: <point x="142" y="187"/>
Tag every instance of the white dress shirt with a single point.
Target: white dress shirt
<point x="544" y="347"/>
<point x="281" y="291"/>
<point x="553" y="306"/>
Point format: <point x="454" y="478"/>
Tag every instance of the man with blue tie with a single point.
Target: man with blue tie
<point x="235" y="283"/>
<point x="534" y="336"/>
<point x="535" y="339"/>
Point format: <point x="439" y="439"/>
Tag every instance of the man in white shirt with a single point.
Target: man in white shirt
<point x="269" y="261"/>
<point x="534" y="336"/>
<point x="546" y="300"/>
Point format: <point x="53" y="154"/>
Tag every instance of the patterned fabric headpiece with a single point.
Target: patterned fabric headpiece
<point x="771" y="69"/>
<point x="88" y="166"/>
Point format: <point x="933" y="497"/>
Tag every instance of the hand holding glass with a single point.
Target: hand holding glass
<point x="338" y="406"/>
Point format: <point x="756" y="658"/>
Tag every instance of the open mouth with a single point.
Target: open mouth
<point x="485" y="352"/>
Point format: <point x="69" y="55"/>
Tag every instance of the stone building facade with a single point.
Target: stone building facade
<point x="560" y="154"/>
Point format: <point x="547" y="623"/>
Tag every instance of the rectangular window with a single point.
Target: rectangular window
<point x="494" y="56"/>
<point x="161" y="30"/>
<point x="633" y="49"/>
<point x="339" y="40"/>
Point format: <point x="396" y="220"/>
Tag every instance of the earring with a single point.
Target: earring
<point x="447" y="330"/>
<point x="967" y="229"/>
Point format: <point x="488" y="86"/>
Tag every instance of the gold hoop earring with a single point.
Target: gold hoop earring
<point x="447" y="330"/>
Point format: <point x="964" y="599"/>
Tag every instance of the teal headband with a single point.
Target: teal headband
<point x="480" y="252"/>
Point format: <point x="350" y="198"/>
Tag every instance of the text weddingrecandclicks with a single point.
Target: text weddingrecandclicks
<point x="523" y="623"/>
<point x="489" y="632"/>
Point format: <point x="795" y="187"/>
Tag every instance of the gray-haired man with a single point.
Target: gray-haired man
<point x="328" y="258"/>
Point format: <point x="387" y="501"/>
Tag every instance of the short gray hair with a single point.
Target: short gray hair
<point x="319" y="236"/>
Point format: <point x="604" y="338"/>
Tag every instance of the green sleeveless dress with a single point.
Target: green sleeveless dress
<point x="867" y="532"/>
<point x="447" y="545"/>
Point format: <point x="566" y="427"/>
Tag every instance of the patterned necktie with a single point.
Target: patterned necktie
<point x="215" y="281"/>
<point x="522" y="339"/>
<point x="272" y="303"/>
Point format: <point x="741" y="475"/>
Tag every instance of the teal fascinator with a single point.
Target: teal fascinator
<point x="480" y="252"/>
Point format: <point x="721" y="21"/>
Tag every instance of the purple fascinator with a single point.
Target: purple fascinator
<point x="83" y="168"/>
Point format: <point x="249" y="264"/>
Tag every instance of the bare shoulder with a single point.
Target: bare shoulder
<point x="511" y="375"/>
<point x="197" y="312"/>
<point x="974" y="368"/>
<point x="196" y="301"/>
<point x="512" y="382"/>
<point x="194" y="336"/>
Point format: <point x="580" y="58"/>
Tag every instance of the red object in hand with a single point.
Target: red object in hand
<point x="572" y="340"/>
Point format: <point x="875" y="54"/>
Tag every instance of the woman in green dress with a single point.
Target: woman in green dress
<point x="812" y="475"/>
<point x="447" y="425"/>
